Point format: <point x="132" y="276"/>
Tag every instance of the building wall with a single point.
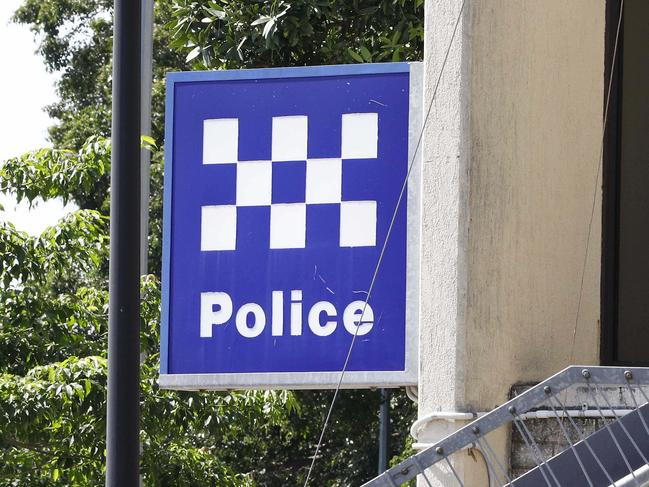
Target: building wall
<point x="537" y="87"/>
<point x="511" y="153"/>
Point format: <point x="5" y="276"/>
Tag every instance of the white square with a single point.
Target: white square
<point x="218" y="227"/>
<point x="360" y="135"/>
<point x="288" y="226"/>
<point x="290" y="138"/>
<point x="324" y="180"/>
<point x="254" y="183"/>
<point x="220" y="140"/>
<point x="358" y="224"/>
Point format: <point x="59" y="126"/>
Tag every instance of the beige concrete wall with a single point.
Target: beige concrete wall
<point x="511" y="154"/>
<point x="537" y="87"/>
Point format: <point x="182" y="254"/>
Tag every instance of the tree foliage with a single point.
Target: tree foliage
<point x="53" y="287"/>
<point x="234" y="34"/>
<point x="70" y="175"/>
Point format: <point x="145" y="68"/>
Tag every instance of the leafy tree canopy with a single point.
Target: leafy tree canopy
<point x="234" y="34"/>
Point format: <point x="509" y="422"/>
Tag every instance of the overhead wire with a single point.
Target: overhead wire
<point x="384" y="246"/>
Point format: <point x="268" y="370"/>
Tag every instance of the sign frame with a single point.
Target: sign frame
<point x="306" y="380"/>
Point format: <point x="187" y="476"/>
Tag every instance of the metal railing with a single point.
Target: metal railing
<point x="616" y="454"/>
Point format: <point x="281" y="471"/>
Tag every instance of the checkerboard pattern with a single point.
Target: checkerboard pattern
<point x="255" y="186"/>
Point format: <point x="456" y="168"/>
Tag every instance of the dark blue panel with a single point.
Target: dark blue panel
<point x="362" y="179"/>
<point x="253" y="228"/>
<point x="255" y="137"/>
<point x="218" y="186"/>
<point x="322" y="270"/>
<point x="323" y="225"/>
<point x="324" y="136"/>
<point x="289" y="182"/>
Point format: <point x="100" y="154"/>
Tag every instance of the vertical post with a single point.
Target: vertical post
<point x="122" y="430"/>
<point x="145" y="126"/>
<point x="384" y="430"/>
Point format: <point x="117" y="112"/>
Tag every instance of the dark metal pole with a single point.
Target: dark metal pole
<point x="384" y="430"/>
<point x="122" y="431"/>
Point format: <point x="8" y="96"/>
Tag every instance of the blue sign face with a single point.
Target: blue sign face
<point x="280" y="187"/>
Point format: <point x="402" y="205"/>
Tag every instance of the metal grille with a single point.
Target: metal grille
<point x="615" y="454"/>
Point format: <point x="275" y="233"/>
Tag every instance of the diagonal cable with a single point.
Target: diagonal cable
<point x="385" y="243"/>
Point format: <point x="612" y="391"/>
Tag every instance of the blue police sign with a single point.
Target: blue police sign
<point x="280" y="188"/>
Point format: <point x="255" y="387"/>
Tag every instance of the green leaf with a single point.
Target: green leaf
<point x="281" y="14"/>
<point x="368" y="10"/>
<point x="269" y="28"/>
<point x="219" y="14"/>
<point x="262" y="20"/>
<point x="355" y="56"/>
<point x="367" y="55"/>
<point x="193" y="53"/>
<point x="148" y="142"/>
